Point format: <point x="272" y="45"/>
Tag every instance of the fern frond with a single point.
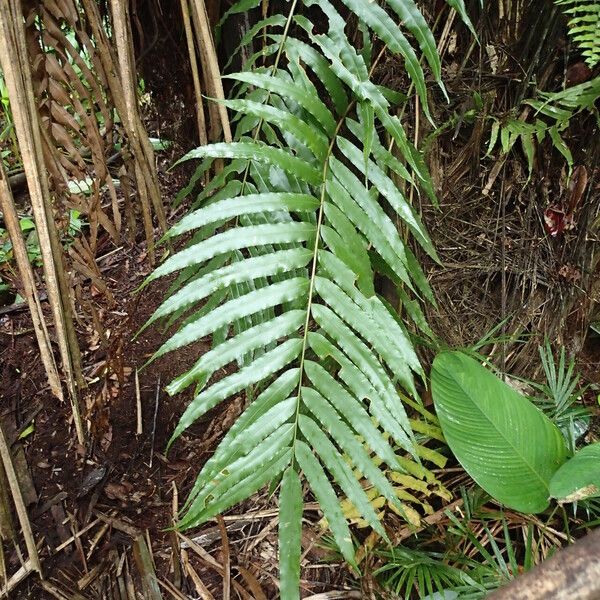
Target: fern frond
<point x="584" y="27"/>
<point x="285" y="243"/>
<point x="559" y="108"/>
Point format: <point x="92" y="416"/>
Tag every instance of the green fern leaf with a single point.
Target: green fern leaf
<point x="584" y="27"/>
<point x="290" y="534"/>
<point x="327" y="498"/>
<point x="284" y="246"/>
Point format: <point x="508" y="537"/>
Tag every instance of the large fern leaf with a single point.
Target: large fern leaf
<point x="280" y="271"/>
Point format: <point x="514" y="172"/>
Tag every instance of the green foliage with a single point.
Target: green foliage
<point x="32" y="243"/>
<point x="407" y="572"/>
<point x="507" y="445"/>
<point x="284" y="246"/>
<point x="578" y="478"/>
<point x="584" y="27"/>
<point x="479" y="553"/>
<point x="9" y="152"/>
<point x="495" y="559"/>
<point x="557" y="108"/>
<point x="560" y="395"/>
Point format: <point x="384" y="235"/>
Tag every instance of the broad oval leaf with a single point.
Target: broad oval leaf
<point x="508" y="446"/>
<point x="579" y="477"/>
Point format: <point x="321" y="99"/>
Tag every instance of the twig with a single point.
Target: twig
<point x="226" y="559"/>
<point x="200" y="587"/>
<point x="175" y="545"/>
<point x="175" y="593"/>
<point x="211" y="63"/>
<point x="78" y="543"/>
<point x="58" y="593"/>
<point x="19" y="503"/>
<point x="209" y="560"/>
<point x="19" y="576"/>
<point x="156" y="397"/>
<point x="138" y="404"/>
<point x="200" y="117"/>
<point x="143" y="560"/>
<point x="74" y="536"/>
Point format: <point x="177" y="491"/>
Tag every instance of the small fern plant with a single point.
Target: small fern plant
<point x="584" y="27"/>
<point x="279" y="268"/>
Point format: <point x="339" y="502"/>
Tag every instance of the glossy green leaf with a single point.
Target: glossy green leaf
<point x="287" y="122"/>
<point x="237" y="272"/>
<point x="579" y="477"/>
<point x="341" y="472"/>
<point x="244" y="205"/>
<point x="261" y="153"/>
<point x="258" y="336"/>
<point x="278" y="274"/>
<point x="300" y="50"/>
<point x="248" y="304"/>
<point x="344" y="437"/>
<point x="272" y="460"/>
<point x="287" y="89"/>
<point x="327" y="498"/>
<point x="353" y="412"/>
<point x="381" y="23"/>
<point x="234" y="239"/>
<point x="508" y="446"/>
<point x="459" y="7"/>
<point x="290" y="534"/>
<point x="266" y="365"/>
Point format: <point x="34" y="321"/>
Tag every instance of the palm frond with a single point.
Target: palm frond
<point x="285" y="242"/>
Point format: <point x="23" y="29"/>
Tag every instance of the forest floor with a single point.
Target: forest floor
<point x="98" y="510"/>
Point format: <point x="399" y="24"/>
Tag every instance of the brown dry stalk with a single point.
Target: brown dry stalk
<point x="27" y="279"/>
<point x="17" y="496"/>
<point x="15" y="65"/>
<point x="189" y="36"/>
<point x="210" y="63"/>
<point x="7" y="529"/>
<point x="127" y="78"/>
<point x="120" y="83"/>
<point x="143" y="560"/>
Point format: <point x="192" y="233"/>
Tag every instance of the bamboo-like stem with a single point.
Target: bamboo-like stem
<point x="189" y="36"/>
<point x="129" y="109"/>
<point x="214" y="128"/>
<point x="126" y="105"/>
<point x="27" y="279"/>
<point x="210" y="62"/>
<point x="41" y="144"/>
<point x="20" y="507"/>
<point x="15" y="65"/>
<point x="122" y="36"/>
<point x="16" y="579"/>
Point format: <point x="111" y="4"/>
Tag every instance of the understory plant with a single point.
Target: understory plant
<point x="553" y="111"/>
<point x="279" y="266"/>
<point x="584" y="27"/>
<point x="514" y="451"/>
